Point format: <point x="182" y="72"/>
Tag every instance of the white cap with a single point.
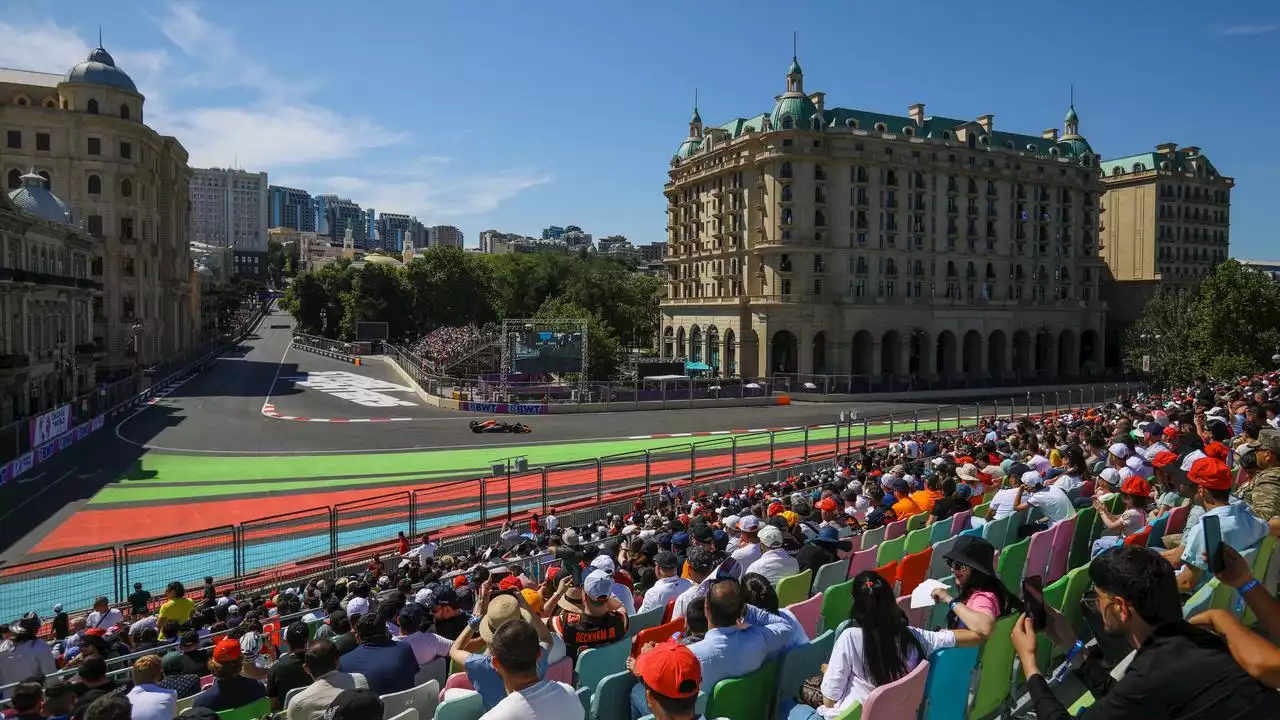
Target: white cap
<point x="770" y="536"/>
<point x="1191" y="459"/>
<point x="1110" y="476"/>
<point x="1134" y="463"/>
<point x="631" y="530"/>
<point x="425" y="597"/>
<point x="605" y="563"/>
<point x="749" y="523"/>
<point x="1120" y="450"/>
<point x="1032" y="478"/>
<point x="597" y="584"/>
<point x="731" y="522"/>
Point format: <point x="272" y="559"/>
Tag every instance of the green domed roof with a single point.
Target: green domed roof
<point x="800" y="108"/>
<point x="1074" y="146"/>
<point x="688" y="147"/>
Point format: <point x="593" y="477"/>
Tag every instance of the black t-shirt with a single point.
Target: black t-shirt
<point x="285" y="675"/>
<point x="944" y="508"/>
<point x="138" y="602"/>
<point x="582" y="631"/>
<point x="195" y="662"/>
<point x="345" y="643"/>
<point x="452" y="627"/>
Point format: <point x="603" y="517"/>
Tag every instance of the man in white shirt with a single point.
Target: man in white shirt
<point x="550" y="521"/>
<point x="147" y="700"/>
<point x="103" y="615"/>
<point x="321" y="662"/>
<point x="1051" y="500"/>
<point x="748" y="541"/>
<point x="426" y="551"/>
<point x="427" y="646"/>
<point x="669" y="586"/>
<point x="774" y="563"/>
<point x="514" y="650"/>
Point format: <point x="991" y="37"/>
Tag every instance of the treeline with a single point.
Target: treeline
<point x="448" y="287"/>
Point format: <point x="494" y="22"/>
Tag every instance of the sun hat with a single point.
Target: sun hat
<point x="501" y="609"/>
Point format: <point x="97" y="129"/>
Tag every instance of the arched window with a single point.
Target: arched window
<point x="951" y="269"/>
<point x="786" y="193"/>
<point x="787" y="122"/>
<point x="13" y="179"/>
<point x="819" y="218"/>
<point x="92" y="108"/>
<point x="124" y="111"/>
<point x="126" y="188"/>
<point x="786" y="216"/>
<point x="786" y="169"/>
<point x="23" y="101"/>
<point x="95" y="185"/>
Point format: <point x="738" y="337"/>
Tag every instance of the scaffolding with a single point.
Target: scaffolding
<point x="512" y="330"/>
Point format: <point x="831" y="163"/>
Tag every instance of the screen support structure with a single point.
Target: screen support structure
<point x="511" y="330"/>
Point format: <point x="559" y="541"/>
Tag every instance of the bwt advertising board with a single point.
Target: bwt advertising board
<point x="548" y="352"/>
<point x="505" y="408"/>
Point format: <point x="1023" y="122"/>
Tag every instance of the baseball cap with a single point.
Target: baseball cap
<point x="1164" y="458"/>
<point x="1210" y="474"/>
<point x="731" y="522"/>
<point x="770" y="536"/>
<point x="827" y="504"/>
<point x="190" y="638"/>
<point x="510" y="582"/>
<point x="702" y="560"/>
<point x="749" y="524"/>
<point x="1032" y="478"/>
<point x="227" y="650"/>
<point x="703" y="533"/>
<point x="362" y="704"/>
<point x="412" y="614"/>
<point x="1134" y="485"/>
<point x="604" y="563"/>
<point x="1120" y="450"/>
<point x="447" y="596"/>
<point x="670" y="669"/>
<point x="598" y="584"/>
<point x="667" y="560"/>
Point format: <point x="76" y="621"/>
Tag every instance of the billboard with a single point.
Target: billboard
<point x="542" y="351"/>
<point x="367" y="331"/>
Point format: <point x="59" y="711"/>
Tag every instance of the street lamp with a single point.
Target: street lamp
<point x="499" y="467"/>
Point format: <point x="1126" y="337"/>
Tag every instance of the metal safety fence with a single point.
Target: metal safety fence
<point x="288" y="547"/>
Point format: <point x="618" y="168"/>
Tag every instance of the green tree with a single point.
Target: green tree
<point x="378" y="294"/>
<point x="1163" y="335"/>
<point x="449" y="287"/>
<point x="304" y="298"/>
<point x="603" y="353"/>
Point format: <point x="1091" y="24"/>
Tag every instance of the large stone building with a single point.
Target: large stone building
<point x="828" y="241"/>
<point x="1167" y="216"/>
<point x="229" y="209"/>
<point x="47" y="347"/>
<point x="125" y="184"/>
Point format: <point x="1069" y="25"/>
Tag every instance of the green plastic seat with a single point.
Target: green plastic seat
<point x="252" y="711"/>
<point x="837" y="602"/>
<point x="918" y="540"/>
<point x="915" y="522"/>
<point x="1082" y="540"/>
<point x="890" y="550"/>
<point x="794" y="588"/>
<point x="995" y="670"/>
<point x="467" y="707"/>
<point x="799" y="664"/>
<point x="939" y="531"/>
<point x="980" y="511"/>
<point x="1013" y="559"/>
<point x="595" y="664"/>
<point x="743" y="697"/>
<point x="612" y="697"/>
<point x="645" y="620"/>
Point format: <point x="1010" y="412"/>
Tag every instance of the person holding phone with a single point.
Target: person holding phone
<point x="1256" y="654"/>
<point x="1210" y="486"/>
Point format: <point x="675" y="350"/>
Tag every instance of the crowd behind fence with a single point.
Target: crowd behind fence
<point x="293" y="547"/>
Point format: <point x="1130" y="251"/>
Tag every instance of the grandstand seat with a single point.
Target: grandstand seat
<point x="205" y="682"/>
<point x="873" y="537"/>
<point x="960" y="521"/>
<point x="898" y="700"/>
<point x="946" y="692"/>
<point x="1157" y="531"/>
<point x="561" y="671"/>
<point x="655" y="635"/>
<point x="584" y="699"/>
<point x="837" y="602"/>
<point x="890" y="550"/>
<point x="456" y="681"/>
<point x="1037" y="564"/>
<point x="1177" y="519"/>
<point x="437" y="670"/>
<point x="252" y="711"/>
<point x="895" y="529"/>
<point x="595" y="663"/>
<point x="1139" y="539"/>
<point x="612" y="696"/>
<point x="422" y="698"/>
<point x="808" y="613"/>
<point x="974" y="532"/>
<point x="995" y="670"/>
<point x="889" y="572"/>
<point x="996" y="532"/>
<point x="666" y="613"/>
<point x="937" y="560"/>
<point x="862" y="560"/>
<point x="467" y="707"/>
<point x="913" y="570"/>
<point x="916" y="617"/>
<point x="794" y="588"/>
<point x="644" y="620"/>
<point x="797" y="665"/>
<point x="938" y="614"/>
<point x="939" y="531"/>
<point x="830" y="574"/>
<point x="743" y="697"/>
<point x="916" y="522"/>
<point x="917" y="540"/>
<point x="1200" y="600"/>
<point x="1010" y="564"/>
<point x="188" y="701"/>
<point x="1060" y="552"/>
<point x="1088" y="527"/>
<point x="408" y="714"/>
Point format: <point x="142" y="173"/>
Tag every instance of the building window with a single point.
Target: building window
<point x="127" y="307"/>
<point x="126" y="228"/>
<point x="128" y="267"/>
<point x="787" y="122"/>
<point x="95" y="225"/>
<point x="124" y="112"/>
<point x="95" y="146"/>
<point x="42" y="141"/>
<point x="126" y="150"/>
<point x="14" y="179"/>
<point x="92" y="107"/>
<point x="126" y="188"/>
<point x="786" y="170"/>
<point x="14" y="140"/>
<point x="95" y="185"/>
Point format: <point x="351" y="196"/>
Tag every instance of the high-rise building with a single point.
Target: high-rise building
<point x="371" y="229"/>
<point x="229" y="209"/>
<point x="444" y="235"/>
<point x="394" y="229"/>
<point x="126" y="185"/>
<point x="321" y="205"/>
<point x="291" y="208"/>
<point x="340" y="214"/>
<point x="1167" y="216"/>
<point x="887" y="250"/>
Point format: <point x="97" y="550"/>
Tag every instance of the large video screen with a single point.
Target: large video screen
<point x="547" y="352"/>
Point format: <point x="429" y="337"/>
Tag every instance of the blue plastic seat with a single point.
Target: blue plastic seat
<point x="946" y="692"/>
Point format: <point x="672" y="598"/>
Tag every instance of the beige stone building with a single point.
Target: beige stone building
<point x="1168" y="216"/>
<point x="127" y="187"/>
<point x="47" y="351"/>
<point x="902" y="249"/>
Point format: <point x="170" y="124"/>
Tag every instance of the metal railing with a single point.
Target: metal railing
<point x="316" y="342"/>
<point x="292" y="547"/>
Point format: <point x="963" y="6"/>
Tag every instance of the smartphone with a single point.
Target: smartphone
<point x="1213" y="543"/>
<point x="1033" y="601"/>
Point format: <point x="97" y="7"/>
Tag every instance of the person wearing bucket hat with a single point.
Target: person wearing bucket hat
<point x="982" y="598"/>
<point x="493" y="613"/>
<point x="1262" y="494"/>
<point x="516" y="655"/>
<point x="1210" y="487"/>
<point x="822" y="549"/>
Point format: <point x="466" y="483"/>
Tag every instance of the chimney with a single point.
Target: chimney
<point x="916" y="113"/>
<point x="819" y="100"/>
<point x="1191" y="150"/>
<point x="1050" y="134"/>
<point x="986" y="121"/>
<point x="1167" y="149"/>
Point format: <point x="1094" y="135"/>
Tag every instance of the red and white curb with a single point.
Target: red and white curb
<point x="662" y="436"/>
<point x="269" y="410"/>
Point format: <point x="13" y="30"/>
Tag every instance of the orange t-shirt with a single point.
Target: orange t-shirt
<point x="926" y="498"/>
<point x="906" y="507"/>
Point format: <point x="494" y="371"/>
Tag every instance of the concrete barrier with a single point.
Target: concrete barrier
<point x="353" y="359"/>
<point x="946" y="395"/>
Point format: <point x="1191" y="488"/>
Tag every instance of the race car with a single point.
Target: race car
<point x="498" y="426"/>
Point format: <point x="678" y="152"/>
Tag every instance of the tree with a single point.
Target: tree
<point x="378" y="294"/>
<point x="1162" y="334"/>
<point x="449" y="287"/>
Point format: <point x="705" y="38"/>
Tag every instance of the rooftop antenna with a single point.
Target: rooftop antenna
<point x="99" y="35"/>
<point x="695" y="99"/>
<point x="795" y="45"/>
<point x="1073" y="94"/>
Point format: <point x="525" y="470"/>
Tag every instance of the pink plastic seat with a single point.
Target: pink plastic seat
<point x="1060" y="552"/>
<point x="808" y="613"/>
<point x="895" y="529"/>
<point x="916" y="617"/>
<point x="960" y="521"/>
<point x="559" y="671"/>
<point x="1177" y="520"/>
<point x="1038" y="554"/>
<point x="898" y="700"/>
<point x="458" y="680"/>
<point x="862" y="560"/>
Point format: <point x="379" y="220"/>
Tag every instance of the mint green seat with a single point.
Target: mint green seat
<point x="467" y="707"/>
<point x="794" y="588"/>
<point x="612" y="697"/>
<point x="995" y="670"/>
<point x="890" y="550"/>
<point x="252" y="711"/>
<point x="743" y="697"/>
<point x="830" y="574"/>
<point x="799" y="664"/>
<point x="1012" y="560"/>
<point x="917" y="540"/>
<point x="837" y="602"/>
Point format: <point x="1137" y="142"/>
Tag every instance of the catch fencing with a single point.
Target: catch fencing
<point x="322" y="541"/>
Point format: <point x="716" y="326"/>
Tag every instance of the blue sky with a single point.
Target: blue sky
<point x="518" y="115"/>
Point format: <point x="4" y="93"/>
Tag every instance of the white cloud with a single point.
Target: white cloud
<point x="426" y="193"/>
<point x="1249" y="29"/>
<point x="44" y="48"/>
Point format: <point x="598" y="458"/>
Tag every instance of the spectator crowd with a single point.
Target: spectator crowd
<point x="444" y="345"/>
<point x="699" y="587"/>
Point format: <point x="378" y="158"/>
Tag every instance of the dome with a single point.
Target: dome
<point x="799" y="107"/>
<point x="34" y="199"/>
<point x="1074" y="146"/>
<point x="100" y="69"/>
<point x="377" y="258"/>
<point x="688" y="147"/>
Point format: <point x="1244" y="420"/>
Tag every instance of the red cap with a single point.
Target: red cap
<point x="1210" y="474"/>
<point x="1164" y="458"/>
<point x="226" y="650"/>
<point x="552" y="574"/>
<point x="1134" y="485"/>
<point x="827" y="504"/>
<point x="671" y="670"/>
<point x="460" y="581"/>
<point x="96" y="632"/>
<point x="1171" y="432"/>
<point x="1217" y="451"/>
<point x="510" y="582"/>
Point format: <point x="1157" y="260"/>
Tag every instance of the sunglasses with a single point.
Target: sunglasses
<point x="956" y="565"/>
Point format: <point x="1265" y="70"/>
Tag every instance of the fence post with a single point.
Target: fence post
<point x="333" y="538"/>
<point x="546" y="503"/>
<point x="1028" y="404"/>
<point x="413" y="515"/>
<point x="733" y="458"/>
<point x="770" y="449"/>
<point x="117" y="588"/>
<point x="937" y="419"/>
<point x="916" y="414"/>
<point x="483" y="518"/>
<point x="693" y="461"/>
<point x="890" y="427"/>
<point x="865" y="428"/>
<point x="806" y="443"/>
<point x="237" y="549"/>
<point x="599" y="481"/>
<point x="647" y="476"/>
<point x="1042" y="399"/>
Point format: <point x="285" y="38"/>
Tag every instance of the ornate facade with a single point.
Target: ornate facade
<point x="127" y="187"/>
<point x="826" y="241"/>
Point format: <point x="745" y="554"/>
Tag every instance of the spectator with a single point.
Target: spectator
<point x="930" y="494"/>
<point x="757" y="592"/>
<point x="148" y="700"/>
<point x="289" y="672"/>
<point x="27" y="699"/>
<point x="495" y="612"/>
<point x="669" y="585"/>
<point x="109" y="707"/>
<point x="189" y="658"/>
<point x="671" y="677"/>
<point x="1002" y="504"/>
<point x="515" y="649"/>
<point x="210" y="592"/>
<point x="356" y="704"/>
<point x="1210" y="486"/>
<point x="103" y="615"/>
<point x="823" y="548"/>
<point x="748" y="550"/>
<point x="591" y="617"/>
<point x="61" y="623"/>
<point x="176" y="608"/>
<point x="954" y="500"/>
<point x="1052" y="501"/>
<point x="94" y="682"/>
<point x="343" y="638"/>
<point x="321" y="663"/>
<point x="427" y="646"/>
<point x="388" y="666"/>
<point x="230" y="689"/>
<point x="983" y="598"/>
<point x="879" y="649"/>
<point x="703" y="568"/>
<point x="1262" y="494"/>
<point x="59" y="699"/>
<point x="903" y="506"/>
<point x="605" y="564"/>
<point x="139" y="601"/>
<point x="447" y="613"/>
<point x="23" y="655"/>
<point x="1135" y="495"/>
<point x="1178" y="671"/>
<point x="775" y="562"/>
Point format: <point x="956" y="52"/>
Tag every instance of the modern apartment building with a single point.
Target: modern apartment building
<point x="833" y="241"/>
<point x="291" y="208"/>
<point x="125" y="185"/>
<point x="341" y="214"/>
<point x="229" y="209"/>
<point x="394" y="229"/>
<point x="444" y="235"/>
<point x="1167" y="216"/>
